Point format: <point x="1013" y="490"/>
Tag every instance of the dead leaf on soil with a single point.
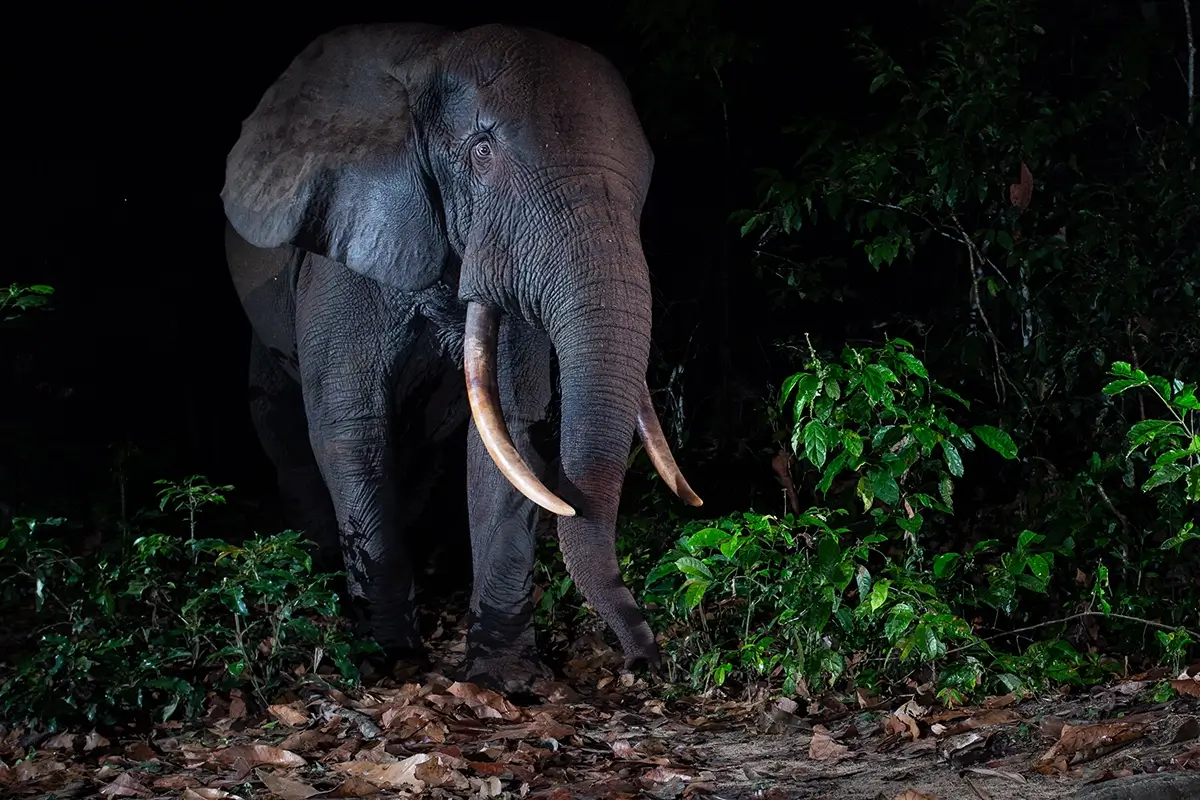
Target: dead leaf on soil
<point x="913" y="794"/>
<point x="1079" y="743"/>
<point x="355" y="786"/>
<point x="285" y="787"/>
<point x="1187" y="686"/>
<point x="125" y="785"/>
<point x="484" y="702"/>
<point x="259" y="755"/>
<point x="289" y="714"/>
<point x="29" y="771"/>
<point x="824" y="748"/>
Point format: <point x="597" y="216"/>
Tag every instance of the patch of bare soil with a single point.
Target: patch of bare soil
<point x="605" y="734"/>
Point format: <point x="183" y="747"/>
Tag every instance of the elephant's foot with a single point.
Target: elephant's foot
<point x="510" y="672"/>
<point x="502" y="652"/>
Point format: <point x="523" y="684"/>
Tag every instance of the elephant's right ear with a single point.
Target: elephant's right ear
<point x="329" y="159"/>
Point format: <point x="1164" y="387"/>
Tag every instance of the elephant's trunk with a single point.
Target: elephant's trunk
<point x="600" y="328"/>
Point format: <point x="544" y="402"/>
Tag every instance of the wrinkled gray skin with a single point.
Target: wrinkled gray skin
<point x="391" y="175"/>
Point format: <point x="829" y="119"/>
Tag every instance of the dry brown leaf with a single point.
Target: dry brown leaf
<point x="1079" y="743"/>
<point x="623" y="749"/>
<point x="94" y="740"/>
<point x="174" y="783"/>
<point x="824" y="748"/>
<point x="355" y="786"/>
<point x="1187" y="686"/>
<point x="140" y="751"/>
<point x="125" y="785"/>
<point x="205" y="793"/>
<point x="913" y="794"/>
<point x="256" y="755"/>
<point x="28" y="771"/>
<point x="306" y="741"/>
<point x="289" y="714"/>
<point x="484" y="702"/>
<point x="910" y="724"/>
<point x="401" y="775"/>
<point x="7" y="776"/>
<point x="63" y="741"/>
<point x="998" y="716"/>
<point x="237" y="706"/>
<point x="285" y="787"/>
<point x="1003" y="701"/>
<point x="1020" y="193"/>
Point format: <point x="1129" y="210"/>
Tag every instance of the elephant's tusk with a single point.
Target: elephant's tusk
<point x="650" y="429"/>
<point x="483" y="392"/>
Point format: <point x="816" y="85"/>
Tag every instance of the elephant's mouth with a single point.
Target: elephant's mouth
<point x="483" y="392"/>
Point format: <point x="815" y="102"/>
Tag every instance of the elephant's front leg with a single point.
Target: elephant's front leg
<point x="501" y="650"/>
<point x="348" y="348"/>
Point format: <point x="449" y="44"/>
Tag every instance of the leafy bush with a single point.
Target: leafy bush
<point x="149" y="623"/>
<point x="836" y="593"/>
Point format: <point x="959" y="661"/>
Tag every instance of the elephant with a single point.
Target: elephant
<point x="428" y="229"/>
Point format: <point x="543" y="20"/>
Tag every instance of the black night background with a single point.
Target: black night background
<point x="1008" y="186"/>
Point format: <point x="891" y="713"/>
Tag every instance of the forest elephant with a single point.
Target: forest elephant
<point x="407" y="203"/>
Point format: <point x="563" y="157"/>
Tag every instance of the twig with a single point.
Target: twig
<point x="972" y="252"/>
<point x="1124" y="520"/>
<point x="1133" y="352"/>
<point x="1191" y="69"/>
<point x="1072" y="618"/>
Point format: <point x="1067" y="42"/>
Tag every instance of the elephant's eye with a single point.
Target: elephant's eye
<point x="483" y="150"/>
<point x="481" y="156"/>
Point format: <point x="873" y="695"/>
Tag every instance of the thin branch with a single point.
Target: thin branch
<point x="1191" y="68"/>
<point x="1108" y="502"/>
<point x="972" y="252"/>
<point x="1072" y="618"/>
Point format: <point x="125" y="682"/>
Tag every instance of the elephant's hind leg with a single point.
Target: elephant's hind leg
<point x="277" y="410"/>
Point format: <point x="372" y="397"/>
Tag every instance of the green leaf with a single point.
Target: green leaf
<point x="946" y="490"/>
<point x="1164" y="475"/>
<point x="817" y="438"/>
<point x="829" y="553"/>
<point x="807" y="389"/>
<point x="1116" y="387"/>
<point x="884" y="486"/>
<point x="914" y="364"/>
<point x="694" y="593"/>
<point x="693" y="567"/>
<point x="996" y="439"/>
<point x="878" y="596"/>
<point x="707" y="537"/>
<point x="1148" y="430"/>
<point x="831" y="472"/>
<point x="953" y="459"/>
<point x="1039" y="567"/>
<point x="853" y="444"/>
<point x="1028" y="537"/>
<point x="944" y="563"/>
<point x="1121" y="369"/>
<point x="785" y="391"/>
<point x="874" y="382"/>
<point x="898" y="621"/>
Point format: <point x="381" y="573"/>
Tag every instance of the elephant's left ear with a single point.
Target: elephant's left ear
<point x="328" y="161"/>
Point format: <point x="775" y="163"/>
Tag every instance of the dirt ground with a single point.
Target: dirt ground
<point x="604" y="734"/>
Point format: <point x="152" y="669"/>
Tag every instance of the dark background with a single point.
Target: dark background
<point x="118" y="124"/>
<point x="124" y="121"/>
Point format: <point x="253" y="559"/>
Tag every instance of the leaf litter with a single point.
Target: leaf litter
<point x="604" y="733"/>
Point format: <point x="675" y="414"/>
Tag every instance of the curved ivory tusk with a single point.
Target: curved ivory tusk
<point x="650" y="429"/>
<point x="483" y="392"/>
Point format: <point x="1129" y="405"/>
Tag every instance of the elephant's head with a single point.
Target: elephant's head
<point x="516" y="158"/>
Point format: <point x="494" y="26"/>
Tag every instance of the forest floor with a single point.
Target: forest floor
<point x="602" y="733"/>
